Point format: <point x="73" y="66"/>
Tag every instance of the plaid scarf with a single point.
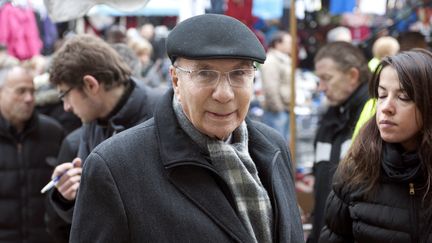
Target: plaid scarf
<point x="238" y="170"/>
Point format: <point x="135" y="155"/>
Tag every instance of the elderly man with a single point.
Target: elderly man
<point x="198" y="171"/>
<point x="28" y="143"/>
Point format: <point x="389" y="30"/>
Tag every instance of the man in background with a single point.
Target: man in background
<point x="96" y="85"/>
<point x="29" y="143"/>
<point x="276" y="81"/>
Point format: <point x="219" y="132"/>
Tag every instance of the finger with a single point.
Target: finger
<point x="69" y="174"/>
<point x="65" y="188"/>
<point x="77" y="162"/>
<point x="70" y="193"/>
<point x="60" y="169"/>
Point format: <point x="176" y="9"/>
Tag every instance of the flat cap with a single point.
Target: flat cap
<point x="214" y="36"/>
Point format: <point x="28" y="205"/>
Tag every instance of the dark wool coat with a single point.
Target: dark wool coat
<point x="25" y="167"/>
<point x="152" y="183"/>
<point x="137" y="107"/>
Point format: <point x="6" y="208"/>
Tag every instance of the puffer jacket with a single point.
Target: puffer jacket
<point x="395" y="212"/>
<point x="331" y="143"/>
<point x="24" y="169"/>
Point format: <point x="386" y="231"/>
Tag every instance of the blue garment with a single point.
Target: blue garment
<point x="267" y="9"/>
<point x="342" y="6"/>
<point x="279" y="121"/>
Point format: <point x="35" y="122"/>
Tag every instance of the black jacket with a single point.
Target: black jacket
<point x="24" y="169"/>
<point x="331" y="143"/>
<point x="394" y="214"/>
<point x="134" y="108"/>
<point x="152" y="183"/>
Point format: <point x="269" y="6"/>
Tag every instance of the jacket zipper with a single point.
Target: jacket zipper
<point x="413" y="215"/>
<point x="22" y="188"/>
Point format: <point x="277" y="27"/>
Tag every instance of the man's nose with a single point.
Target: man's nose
<point x="322" y="86"/>
<point x="223" y="92"/>
<point x="66" y="106"/>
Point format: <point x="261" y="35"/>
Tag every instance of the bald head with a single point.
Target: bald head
<point x="16" y="96"/>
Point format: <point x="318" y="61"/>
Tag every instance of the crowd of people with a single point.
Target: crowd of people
<point x="149" y="140"/>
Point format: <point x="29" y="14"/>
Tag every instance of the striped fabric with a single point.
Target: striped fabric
<point x="234" y="164"/>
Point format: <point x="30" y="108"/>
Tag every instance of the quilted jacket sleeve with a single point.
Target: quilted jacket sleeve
<point x="338" y="226"/>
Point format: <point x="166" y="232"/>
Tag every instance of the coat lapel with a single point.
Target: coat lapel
<point x="191" y="173"/>
<point x="274" y="171"/>
<point x="204" y="191"/>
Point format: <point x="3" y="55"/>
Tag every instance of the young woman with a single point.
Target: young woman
<point x="382" y="189"/>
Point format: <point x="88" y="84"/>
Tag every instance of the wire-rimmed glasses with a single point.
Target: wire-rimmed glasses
<point x="238" y="78"/>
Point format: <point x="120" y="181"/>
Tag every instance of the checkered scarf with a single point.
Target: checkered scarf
<point x="238" y="170"/>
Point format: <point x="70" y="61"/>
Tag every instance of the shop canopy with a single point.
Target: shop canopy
<point x="62" y="10"/>
<point x="153" y="8"/>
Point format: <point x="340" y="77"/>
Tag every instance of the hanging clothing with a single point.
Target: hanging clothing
<point x="241" y="10"/>
<point x="342" y="6"/>
<point x="19" y="31"/>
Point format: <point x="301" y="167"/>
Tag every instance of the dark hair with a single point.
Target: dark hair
<point x="411" y="39"/>
<point x="346" y="56"/>
<point x="88" y="55"/>
<point x="361" y="167"/>
<point x="277" y="38"/>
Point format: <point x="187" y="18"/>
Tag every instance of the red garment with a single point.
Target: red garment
<point x="241" y="10"/>
<point x="18" y="30"/>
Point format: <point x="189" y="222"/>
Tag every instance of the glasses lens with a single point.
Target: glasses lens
<point x="62" y="94"/>
<point x="241" y="77"/>
<point x="206" y="77"/>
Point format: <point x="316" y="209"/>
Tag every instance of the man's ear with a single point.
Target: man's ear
<point x="91" y="85"/>
<point x="354" y="76"/>
<point x="174" y="80"/>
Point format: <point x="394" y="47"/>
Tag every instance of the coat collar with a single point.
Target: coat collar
<point x="190" y="169"/>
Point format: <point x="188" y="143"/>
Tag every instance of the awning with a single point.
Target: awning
<point x="64" y="10"/>
<point x="153" y="8"/>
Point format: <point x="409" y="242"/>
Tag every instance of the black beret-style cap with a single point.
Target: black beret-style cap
<point x="214" y="36"/>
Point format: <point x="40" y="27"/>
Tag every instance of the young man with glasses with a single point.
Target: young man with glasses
<point x="95" y="84"/>
<point x="206" y="173"/>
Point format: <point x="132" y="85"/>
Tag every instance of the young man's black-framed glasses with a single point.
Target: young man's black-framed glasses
<point x="62" y="94"/>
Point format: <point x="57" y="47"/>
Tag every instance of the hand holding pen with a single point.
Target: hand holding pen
<point x="66" y="177"/>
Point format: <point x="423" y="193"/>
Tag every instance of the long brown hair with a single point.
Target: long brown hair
<point x="361" y="167"/>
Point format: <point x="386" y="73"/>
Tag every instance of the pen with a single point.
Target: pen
<point x="53" y="182"/>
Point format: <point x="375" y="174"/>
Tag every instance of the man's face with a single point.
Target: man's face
<point x="285" y="45"/>
<point x="215" y="110"/>
<point x="336" y="84"/>
<point x="17" y="97"/>
<point x="76" y="100"/>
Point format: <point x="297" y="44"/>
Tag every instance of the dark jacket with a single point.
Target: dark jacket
<point x="24" y="169"/>
<point x="331" y="143"/>
<point x="136" y="107"/>
<point x="395" y="213"/>
<point x="152" y="183"/>
<point x="57" y="226"/>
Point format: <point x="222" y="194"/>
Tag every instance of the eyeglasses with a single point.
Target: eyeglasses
<point x="238" y="78"/>
<point x="62" y="94"/>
